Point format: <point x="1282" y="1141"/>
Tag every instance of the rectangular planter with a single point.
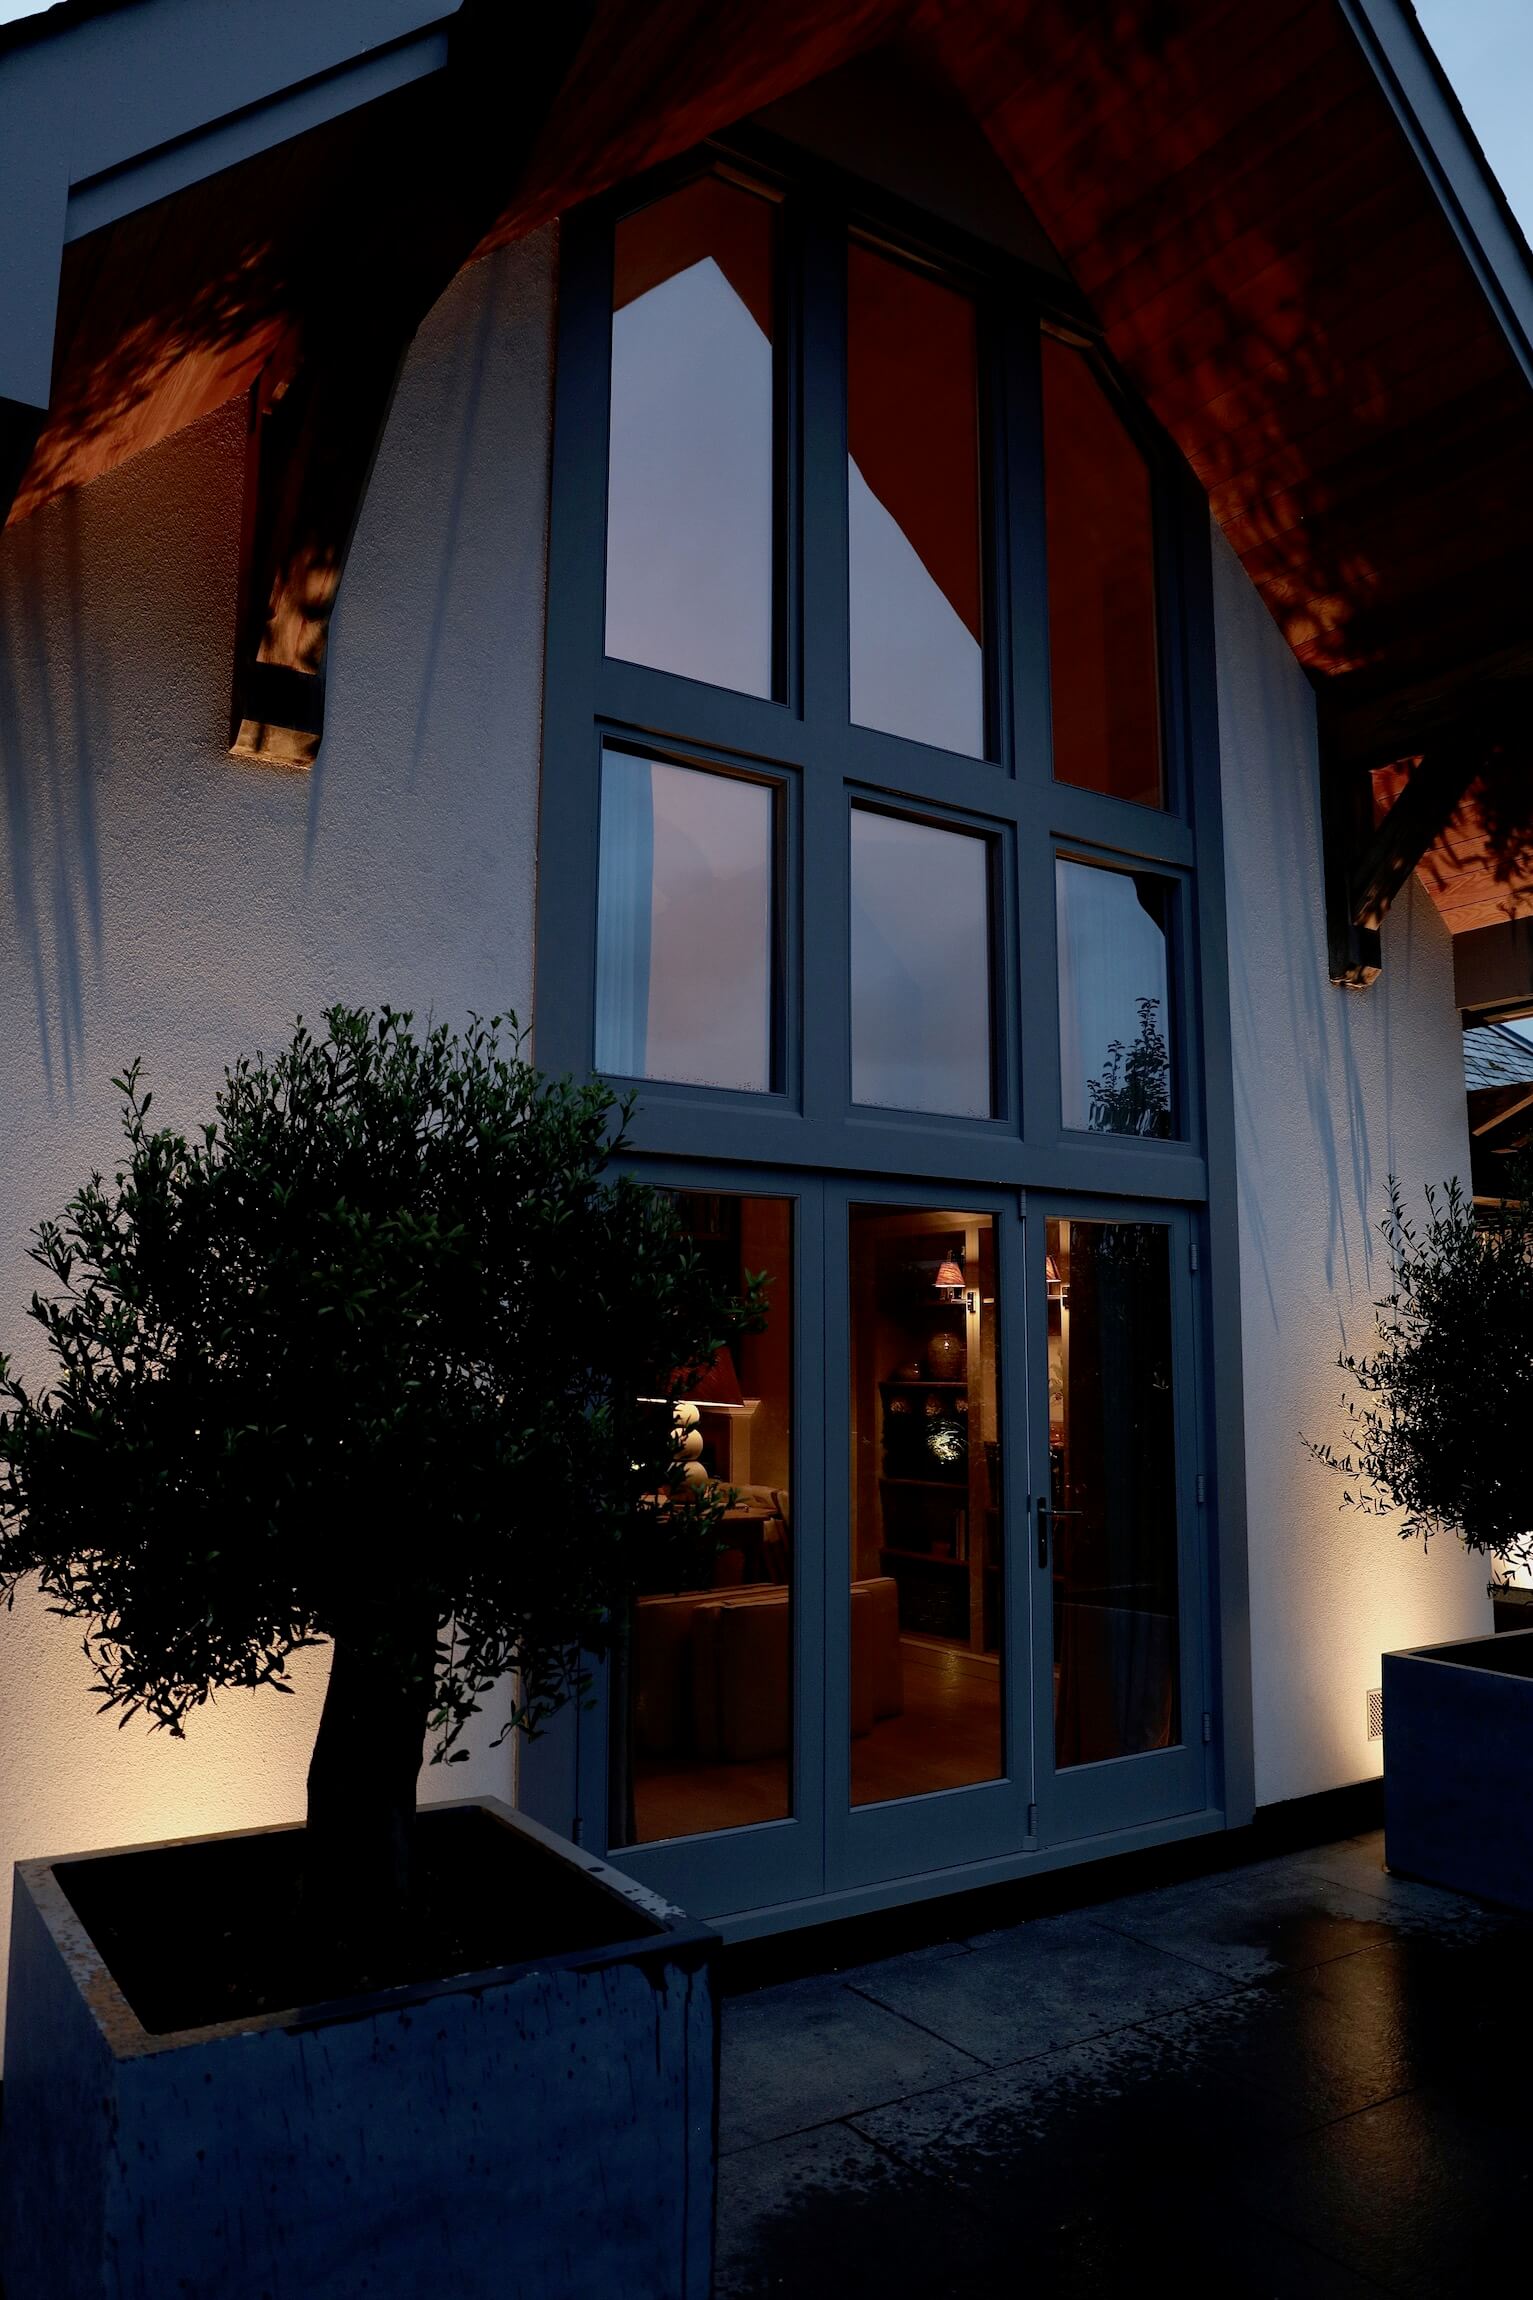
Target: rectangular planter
<point x="541" y="2131"/>
<point x="1458" y="1743"/>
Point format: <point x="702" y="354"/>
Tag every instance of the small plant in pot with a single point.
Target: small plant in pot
<point x="382" y="1358"/>
<point x="1438" y="1436"/>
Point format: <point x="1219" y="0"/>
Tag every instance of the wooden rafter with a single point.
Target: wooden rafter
<point x="319" y="407"/>
<point x="19" y="427"/>
<point x="1368" y="863"/>
<point x="1415" y="822"/>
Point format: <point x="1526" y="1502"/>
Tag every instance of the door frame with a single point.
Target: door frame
<point x="1112" y="1794"/>
<point x="765" y="1861"/>
<point x="947" y="1828"/>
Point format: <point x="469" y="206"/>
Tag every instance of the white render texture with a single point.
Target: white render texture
<point x="159" y="898"/>
<point x="1334" y="1091"/>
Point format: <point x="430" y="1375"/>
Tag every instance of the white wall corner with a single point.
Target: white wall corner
<point x="1335" y="1090"/>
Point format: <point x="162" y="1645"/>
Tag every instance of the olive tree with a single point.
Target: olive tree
<point x="1439" y="1411"/>
<point x="381" y="1357"/>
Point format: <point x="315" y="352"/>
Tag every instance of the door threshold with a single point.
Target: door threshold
<point x="909" y="1898"/>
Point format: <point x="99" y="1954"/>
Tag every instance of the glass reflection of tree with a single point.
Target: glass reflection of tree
<point x="1133" y="1094"/>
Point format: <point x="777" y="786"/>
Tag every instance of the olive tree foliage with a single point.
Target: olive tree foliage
<point x="1440" y="1411"/>
<point x="366" y="1357"/>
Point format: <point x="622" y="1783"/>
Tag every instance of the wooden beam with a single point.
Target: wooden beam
<point x="1512" y="1110"/>
<point x="19" y="429"/>
<point x="309" y="453"/>
<point x="1493" y="970"/>
<point x="1414" y="823"/>
<point x="318" y="411"/>
<point x="1355" y="952"/>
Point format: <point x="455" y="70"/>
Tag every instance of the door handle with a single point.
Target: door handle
<point x="1046" y="1515"/>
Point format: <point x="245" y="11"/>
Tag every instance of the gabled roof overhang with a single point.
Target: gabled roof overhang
<point x="1276" y="215"/>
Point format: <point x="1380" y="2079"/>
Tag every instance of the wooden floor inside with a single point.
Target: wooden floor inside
<point x="947" y="1736"/>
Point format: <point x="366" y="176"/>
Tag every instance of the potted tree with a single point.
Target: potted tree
<point x="1438" y="1431"/>
<point x="382" y="1358"/>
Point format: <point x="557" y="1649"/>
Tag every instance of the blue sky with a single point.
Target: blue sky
<point x="1486" y="49"/>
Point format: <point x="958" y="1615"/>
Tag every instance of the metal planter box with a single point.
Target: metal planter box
<point x="543" y="2131"/>
<point x="1458" y="1747"/>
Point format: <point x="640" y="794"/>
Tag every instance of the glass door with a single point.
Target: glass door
<point x="699" y="1768"/>
<point x="1115" y="1552"/>
<point x="926" y="1708"/>
<point x="952" y="1610"/>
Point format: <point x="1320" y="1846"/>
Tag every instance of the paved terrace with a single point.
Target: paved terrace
<point x="1299" y="2080"/>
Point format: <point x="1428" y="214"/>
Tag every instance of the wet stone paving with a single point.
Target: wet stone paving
<point x="1303" y="2077"/>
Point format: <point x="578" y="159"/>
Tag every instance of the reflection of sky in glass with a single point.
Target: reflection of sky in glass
<point x="1111" y="954"/>
<point x="684" y="926"/>
<point x="920" y="967"/>
<point x="689" y="501"/>
<point x="917" y="669"/>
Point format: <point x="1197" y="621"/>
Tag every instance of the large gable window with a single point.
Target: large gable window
<point x="865" y="837"/>
<point x="692" y="458"/>
<point x="867" y="862"/>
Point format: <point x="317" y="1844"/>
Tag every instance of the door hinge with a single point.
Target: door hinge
<point x="1200" y="1489"/>
<point x="1032" y="1821"/>
<point x="1208" y="1726"/>
<point x="1192" y="1253"/>
<point x="577" y="1831"/>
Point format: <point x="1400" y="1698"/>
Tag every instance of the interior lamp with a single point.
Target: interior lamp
<point x="949" y="1279"/>
<point x="717" y="1384"/>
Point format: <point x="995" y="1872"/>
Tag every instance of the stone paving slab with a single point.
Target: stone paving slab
<point x="803" y="2054"/>
<point x="1037" y="1987"/>
<point x="1300" y="2078"/>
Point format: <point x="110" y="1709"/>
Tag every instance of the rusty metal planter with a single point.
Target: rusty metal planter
<point x="541" y="2131"/>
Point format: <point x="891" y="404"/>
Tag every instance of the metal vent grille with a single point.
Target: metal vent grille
<point x="1375" y="1699"/>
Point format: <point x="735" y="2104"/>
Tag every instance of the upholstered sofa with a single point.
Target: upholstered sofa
<point x="712" y="1669"/>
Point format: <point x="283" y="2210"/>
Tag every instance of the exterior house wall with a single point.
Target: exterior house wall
<point x="1334" y="1091"/>
<point x="163" y="900"/>
<point x="159" y="898"/>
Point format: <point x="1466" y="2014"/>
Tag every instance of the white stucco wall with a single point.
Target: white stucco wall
<point x="1334" y="1091"/>
<point x="158" y="898"/>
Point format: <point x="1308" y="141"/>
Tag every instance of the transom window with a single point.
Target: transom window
<point x="865" y="834"/>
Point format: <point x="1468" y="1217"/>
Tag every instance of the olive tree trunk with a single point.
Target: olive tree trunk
<point x="359" y="1839"/>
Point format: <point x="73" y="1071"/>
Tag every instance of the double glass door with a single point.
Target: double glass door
<point x="952" y="1609"/>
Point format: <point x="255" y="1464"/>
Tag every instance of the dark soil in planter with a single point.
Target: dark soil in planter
<point x="201" y="1933"/>
<point x="1506" y="1656"/>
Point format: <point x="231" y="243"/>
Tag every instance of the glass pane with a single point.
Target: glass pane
<point x="1105" y="679"/>
<point x="708" y="1664"/>
<point x="920" y="967"/>
<point x="1112" y="1472"/>
<point x="1114" y="1014"/>
<point x="917" y="615"/>
<point x="684" y="925"/>
<point x="691" y="488"/>
<point x="927" y="1533"/>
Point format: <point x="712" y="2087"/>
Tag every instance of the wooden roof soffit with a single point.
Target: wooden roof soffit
<point x="318" y="408"/>
<point x="1369" y="858"/>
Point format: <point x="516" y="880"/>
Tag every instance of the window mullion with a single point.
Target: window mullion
<point x="1031" y="759"/>
<point x="822" y="570"/>
<point x="824" y="689"/>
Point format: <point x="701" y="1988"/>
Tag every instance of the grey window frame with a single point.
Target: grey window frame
<point x="805" y="739"/>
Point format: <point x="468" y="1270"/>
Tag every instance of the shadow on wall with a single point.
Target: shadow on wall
<point x="53" y="729"/>
<point x="1334" y="1089"/>
<point x="169" y="902"/>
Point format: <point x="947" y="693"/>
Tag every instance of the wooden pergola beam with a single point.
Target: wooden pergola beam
<point x="312" y="441"/>
<point x="1414" y="823"/>
<point x="1367" y="863"/>
<point x="19" y="427"/>
<point x="318" y="411"/>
